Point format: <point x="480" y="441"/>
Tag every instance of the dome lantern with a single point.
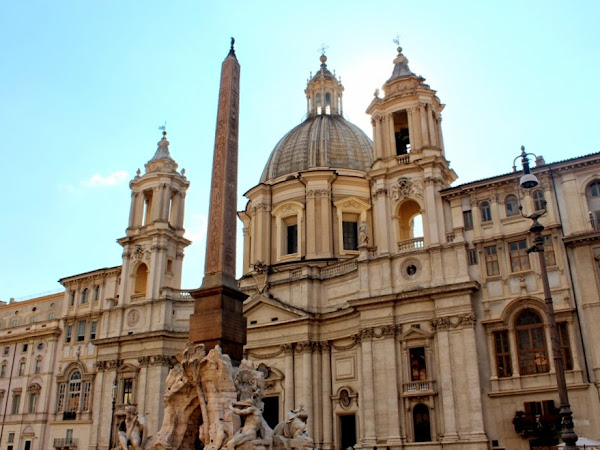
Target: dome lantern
<point x="324" y="92"/>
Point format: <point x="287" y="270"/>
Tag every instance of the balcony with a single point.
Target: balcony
<point x="416" y="388"/>
<point x="65" y="443"/>
<point x="410" y="244"/>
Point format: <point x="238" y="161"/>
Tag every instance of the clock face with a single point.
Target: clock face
<point x="133" y="317"/>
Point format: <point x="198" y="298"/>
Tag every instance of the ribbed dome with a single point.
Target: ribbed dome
<point x="322" y="140"/>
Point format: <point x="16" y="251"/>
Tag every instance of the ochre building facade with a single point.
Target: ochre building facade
<point x="400" y="310"/>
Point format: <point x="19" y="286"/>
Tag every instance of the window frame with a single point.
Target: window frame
<point x="539" y="202"/>
<point x="350" y="209"/>
<point x="491" y="260"/>
<point x="468" y="220"/>
<point x="287" y="214"/>
<point x="519" y="258"/>
<point x="533" y="360"/>
<point x="486" y="211"/>
<point x="511" y="205"/>
<point x="502" y="354"/>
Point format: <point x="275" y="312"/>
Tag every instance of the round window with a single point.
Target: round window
<point x="411" y="270"/>
<point x="40" y="346"/>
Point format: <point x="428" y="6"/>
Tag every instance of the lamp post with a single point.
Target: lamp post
<point x="112" y="417"/>
<point x="529" y="181"/>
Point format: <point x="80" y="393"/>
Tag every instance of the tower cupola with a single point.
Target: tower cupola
<point x="154" y="244"/>
<point x="324" y="92"/>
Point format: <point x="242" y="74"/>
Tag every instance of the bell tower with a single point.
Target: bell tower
<point x="410" y="166"/>
<point x="154" y="244"/>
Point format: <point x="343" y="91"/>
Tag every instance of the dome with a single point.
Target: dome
<point x="322" y="140"/>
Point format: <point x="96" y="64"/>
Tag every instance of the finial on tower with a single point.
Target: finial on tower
<point x="232" y="50"/>
<point x="396" y="41"/>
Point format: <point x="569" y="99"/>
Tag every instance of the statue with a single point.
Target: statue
<point x="363" y="234"/>
<point x="292" y="433"/>
<point x="135" y="433"/>
<point x="254" y="427"/>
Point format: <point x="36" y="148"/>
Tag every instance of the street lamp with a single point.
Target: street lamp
<point x="530" y="181"/>
<point x="112" y="417"/>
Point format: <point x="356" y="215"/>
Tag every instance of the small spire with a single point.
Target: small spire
<point x="232" y="50"/>
<point x="401" y="68"/>
<point x="162" y="152"/>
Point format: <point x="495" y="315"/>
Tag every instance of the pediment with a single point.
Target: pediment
<point x="415" y="333"/>
<point x="128" y="368"/>
<point x="261" y="310"/>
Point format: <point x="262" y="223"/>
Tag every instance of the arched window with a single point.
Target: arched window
<point x="3" y="370"/>
<point x="538" y="200"/>
<point x="141" y="278"/>
<point x="71" y="298"/>
<point x="84" y="296"/>
<point x="74" y="394"/>
<point x="319" y="104"/>
<point x="531" y="344"/>
<point x="592" y="194"/>
<point x="486" y="212"/>
<point x="327" y="103"/>
<point x="38" y="365"/>
<point x="410" y="226"/>
<point x="96" y="293"/>
<point x="421" y="423"/>
<point x="511" y="203"/>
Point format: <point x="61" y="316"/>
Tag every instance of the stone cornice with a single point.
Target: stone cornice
<point x="578" y="240"/>
<point x="142" y="336"/>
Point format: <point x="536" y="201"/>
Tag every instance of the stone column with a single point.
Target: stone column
<point x="180" y="211"/>
<point x="391" y="136"/>
<point x="288" y="403"/>
<point x="423" y="121"/>
<point x="326" y="228"/>
<point x="132" y="209"/>
<point x="391" y="387"/>
<point x="411" y="131"/>
<point x="311" y="226"/>
<point x="446" y="383"/>
<point x="381" y="219"/>
<point x="417" y="135"/>
<point x="317" y="389"/>
<point x="368" y="388"/>
<point x="430" y="125"/>
<point x="326" y="393"/>
<point x="470" y="349"/>
<point x="305" y="349"/>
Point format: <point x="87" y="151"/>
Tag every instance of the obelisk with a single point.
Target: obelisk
<point x="218" y="314"/>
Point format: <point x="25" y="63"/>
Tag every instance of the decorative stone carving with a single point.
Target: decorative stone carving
<point x="405" y="188"/>
<point x="291" y="434"/>
<point x="136" y="430"/>
<point x="206" y="388"/>
<point x="363" y="234"/>
<point x="260" y="276"/>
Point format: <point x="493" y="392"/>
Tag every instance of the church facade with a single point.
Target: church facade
<point x="399" y="310"/>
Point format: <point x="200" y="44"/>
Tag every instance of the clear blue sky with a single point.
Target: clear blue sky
<point x="85" y="84"/>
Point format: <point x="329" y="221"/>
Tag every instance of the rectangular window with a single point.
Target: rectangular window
<point x="127" y="397"/>
<point x="519" y="258"/>
<point x="81" y="330"/>
<point x="6" y="351"/>
<point x="60" y="404"/>
<point x="468" y="219"/>
<point x="350" y="235"/>
<point x="540" y="408"/>
<point x="93" y="327"/>
<point x="3" y="371"/>
<point x="549" y="251"/>
<point x="15" y="404"/>
<point x="25" y="346"/>
<point x="418" y="368"/>
<point x="87" y="387"/>
<point x="491" y="261"/>
<point x="21" y="368"/>
<point x="472" y="253"/>
<point x="68" y="333"/>
<point x="38" y="366"/>
<point x="501" y="345"/>
<point x="11" y="437"/>
<point x="32" y="401"/>
<point x="292" y="239"/>
<point x="565" y="347"/>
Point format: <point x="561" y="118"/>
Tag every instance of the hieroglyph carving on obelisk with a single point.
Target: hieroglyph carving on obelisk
<point x="219" y="268"/>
